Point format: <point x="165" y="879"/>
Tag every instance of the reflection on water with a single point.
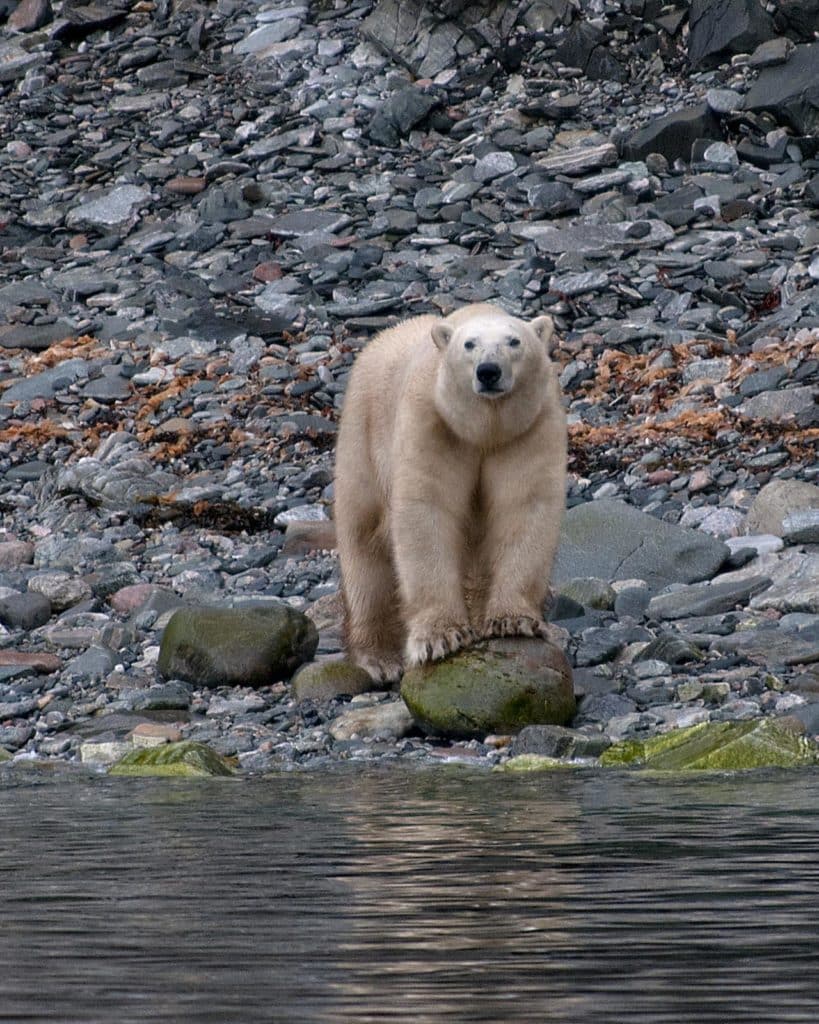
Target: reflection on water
<point x="421" y="895"/>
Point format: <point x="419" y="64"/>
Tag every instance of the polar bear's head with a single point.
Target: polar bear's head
<point x="491" y="352"/>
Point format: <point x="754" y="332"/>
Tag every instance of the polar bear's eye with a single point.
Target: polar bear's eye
<point x="513" y="342"/>
<point x="469" y="345"/>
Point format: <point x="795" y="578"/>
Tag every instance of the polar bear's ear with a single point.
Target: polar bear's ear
<point x="544" y="328"/>
<point x="441" y="334"/>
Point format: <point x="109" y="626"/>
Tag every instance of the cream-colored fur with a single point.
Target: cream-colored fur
<point x="450" y="486"/>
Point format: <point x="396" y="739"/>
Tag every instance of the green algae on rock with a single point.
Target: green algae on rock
<point x="251" y="646"/>
<point x="325" y="680"/>
<point x="723" y="746"/>
<point x="186" y="760"/>
<point x="497" y="686"/>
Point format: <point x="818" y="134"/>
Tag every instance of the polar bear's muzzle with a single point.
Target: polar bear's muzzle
<point x="489" y="379"/>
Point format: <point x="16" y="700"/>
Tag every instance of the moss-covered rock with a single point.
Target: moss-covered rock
<point x="187" y="760"/>
<point x="4" y="755"/>
<point x="325" y="680"/>
<point x="726" y="746"/>
<point x="251" y="646"/>
<point x="498" y="686"/>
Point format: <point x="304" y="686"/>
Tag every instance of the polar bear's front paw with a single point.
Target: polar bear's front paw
<point x="434" y="644"/>
<point x="516" y="625"/>
<point x="381" y="668"/>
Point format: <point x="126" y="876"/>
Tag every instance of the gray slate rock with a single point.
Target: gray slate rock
<point x="611" y="540"/>
<point x="113" y="211"/>
<point x="24" y="611"/>
<point x="48" y="383"/>
<point x="557" y="741"/>
<point x="706" y="598"/>
<point x="402" y="112"/>
<point x="673" y="134"/>
<point x="132" y="484"/>
<point x="36" y="336"/>
<point x="789" y="91"/>
<point x="721" y="29"/>
<point x="795" y="587"/>
<point x="251" y="646"/>
<point x="586" y="46"/>
<point x="801" y="527"/>
<point x="15" y="61"/>
<point x="776" y="406"/>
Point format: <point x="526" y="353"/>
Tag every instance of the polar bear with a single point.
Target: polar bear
<point x="449" y="487"/>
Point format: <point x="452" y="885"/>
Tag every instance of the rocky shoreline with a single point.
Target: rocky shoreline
<point x="206" y="210"/>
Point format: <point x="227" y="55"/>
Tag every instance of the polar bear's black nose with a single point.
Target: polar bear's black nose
<point x="488" y="374"/>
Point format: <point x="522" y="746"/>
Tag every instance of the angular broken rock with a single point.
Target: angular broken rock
<point x="580" y="160"/>
<point x="673" y="134"/>
<point x="721" y="29"/>
<point x="789" y="91"/>
<point x="114" y="210"/>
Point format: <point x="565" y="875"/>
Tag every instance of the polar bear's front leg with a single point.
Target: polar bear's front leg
<point x="525" y="501"/>
<point x="429" y="514"/>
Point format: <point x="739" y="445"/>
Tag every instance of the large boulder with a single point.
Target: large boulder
<point x="498" y="686"/>
<point x="790" y="91"/>
<point x="721" y="29"/>
<point x="251" y="646"/>
<point x="613" y="541"/>
<point x="775" y="502"/>
<point x="799" y="17"/>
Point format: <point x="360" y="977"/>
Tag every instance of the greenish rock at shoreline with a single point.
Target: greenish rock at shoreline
<point x="723" y="746"/>
<point x="4" y="755"/>
<point x="497" y="686"/>
<point x="185" y="760"/>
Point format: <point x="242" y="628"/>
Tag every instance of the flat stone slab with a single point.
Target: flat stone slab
<point x="795" y="587"/>
<point x="611" y="540"/>
<point x="706" y="598"/>
<point x="801" y="527"/>
<point x="305" y="222"/>
<point x="591" y="238"/>
<point x="579" y="160"/>
<point x="113" y="210"/>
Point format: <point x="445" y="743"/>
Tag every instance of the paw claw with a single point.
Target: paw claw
<point x="516" y="625"/>
<point x="437" y="644"/>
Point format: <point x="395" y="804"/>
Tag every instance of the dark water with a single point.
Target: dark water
<point x="418" y="895"/>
